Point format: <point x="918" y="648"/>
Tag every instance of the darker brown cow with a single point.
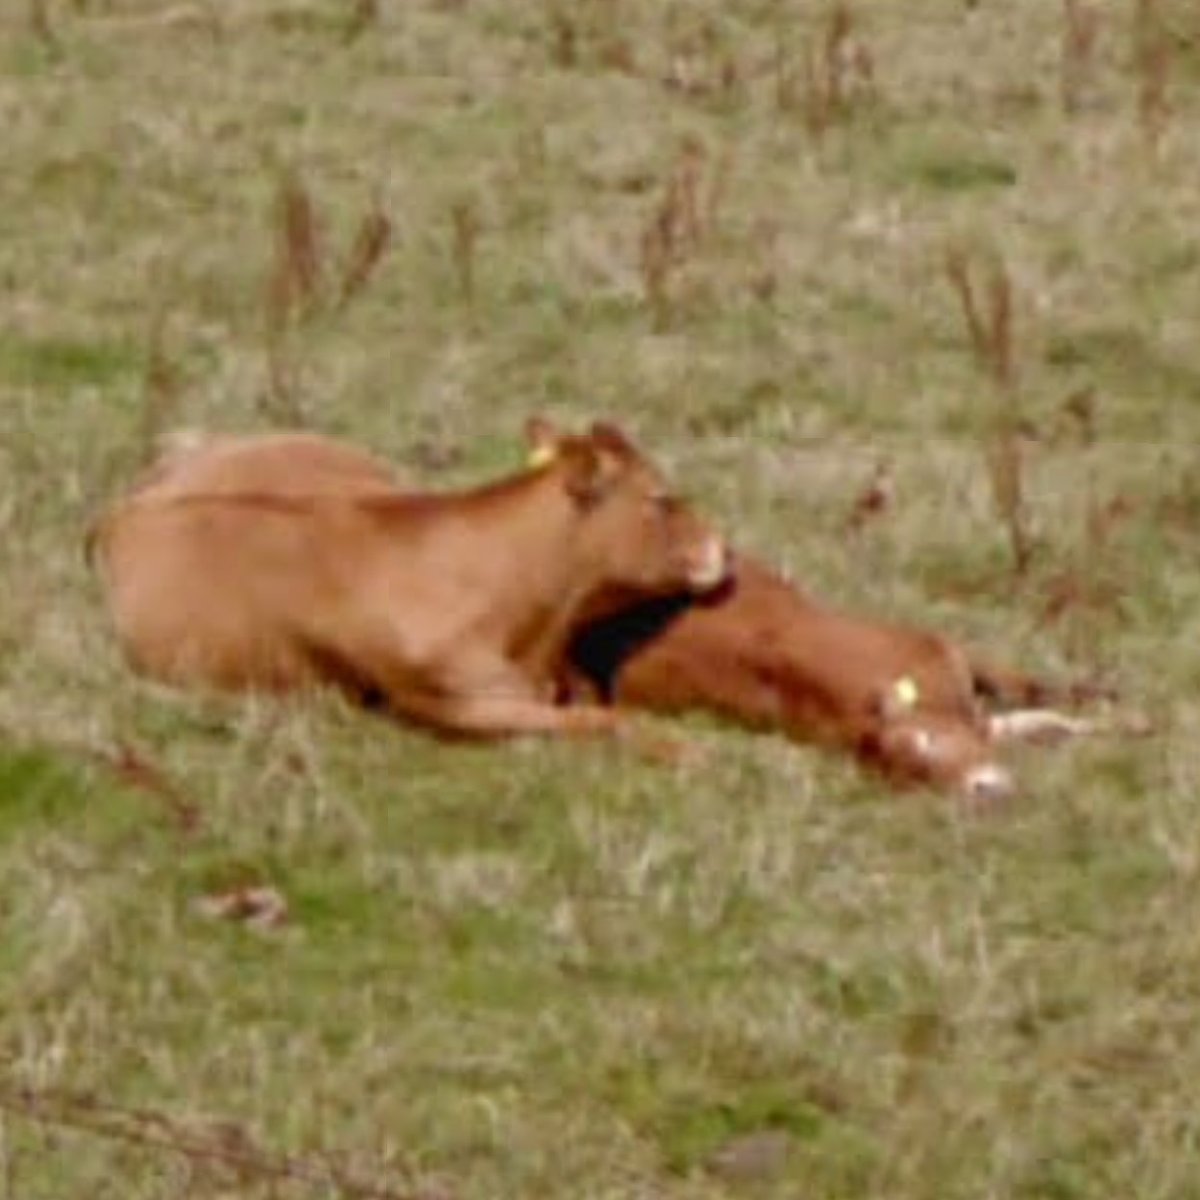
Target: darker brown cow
<point x="763" y="654"/>
<point x="282" y="561"/>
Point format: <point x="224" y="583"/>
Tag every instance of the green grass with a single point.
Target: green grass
<point x="558" y="971"/>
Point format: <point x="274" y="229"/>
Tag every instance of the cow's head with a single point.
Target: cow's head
<point x="946" y="750"/>
<point x="636" y="533"/>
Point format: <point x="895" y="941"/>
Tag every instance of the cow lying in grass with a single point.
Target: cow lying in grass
<point x="278" y="562"/>
<point x="763" y="654"/>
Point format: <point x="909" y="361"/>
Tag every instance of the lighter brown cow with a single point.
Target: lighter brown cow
<point x="282" y="561"/>
<point x="763" y="654"/>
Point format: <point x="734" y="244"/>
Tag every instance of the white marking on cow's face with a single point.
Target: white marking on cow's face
<point x="988" y="783"/>
<point x="710" y="568"/>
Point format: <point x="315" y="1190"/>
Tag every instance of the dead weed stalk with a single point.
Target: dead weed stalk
<point x="41" y="26"/>
<point x="364" y="15"/>
<point x="292" y="291"/>
<point x="160" y="388"/>
<point x="464" y="221"/>
<point x="1151" y="56"/>
<point x="366" y="252"/>
<point x="1081" y="25"/>
<point x="837" y="72"/>
<point x="991" y="336"/>
<point x="298" y="287"/>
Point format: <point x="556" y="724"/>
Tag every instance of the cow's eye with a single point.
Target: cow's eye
<point x="662" y="503"/>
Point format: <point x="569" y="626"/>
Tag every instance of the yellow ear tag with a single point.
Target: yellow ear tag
<point x="541" y="456"/>
<point x="906" y="692"/>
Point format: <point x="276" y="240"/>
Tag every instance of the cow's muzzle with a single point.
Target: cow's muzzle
<point x="709" y="567"/>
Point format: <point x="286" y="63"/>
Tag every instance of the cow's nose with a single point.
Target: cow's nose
<point x="710" y="568"/>
<point x="988" y="784"/>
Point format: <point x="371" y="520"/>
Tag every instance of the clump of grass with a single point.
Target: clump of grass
<point x="581" y="35"/>
<point x="299" y="285"/>
<point x="1077" y="416"/>
<point x="951" y="169"/>
<point x="700" y="63"/>
<point x="685" y="217"/>
<point x="837" y="72"/>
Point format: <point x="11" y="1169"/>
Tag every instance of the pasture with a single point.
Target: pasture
<point x="906" y="297"/>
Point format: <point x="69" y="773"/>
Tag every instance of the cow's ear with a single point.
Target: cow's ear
<point x="609" y="439"/>
<point x="543" y="440"/>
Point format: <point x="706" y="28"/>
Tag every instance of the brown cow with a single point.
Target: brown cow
<point x="280" y="561"/>
<point x="762" y="653"/>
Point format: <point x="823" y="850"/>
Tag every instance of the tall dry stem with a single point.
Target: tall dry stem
<point x="40" y="24"/>
<point x="835" y="59"/>
<point x="959" y="274"/>
<point x="718" y="188"/>
<point x="1081" y="24"/>
<point x="366" y="252"/>
<point x="364" y="15"/>
<point x="655" y="263"/>
<point x="292" y="292"/>
<point x="1006" y="471"/>
<point x="465" y="223"/>
<point x="684" y="199"/>
<point x="1000" y="333"/>
<point x="992" y="340"/>
<point x="564" y="38"/>
<point x="299" y="246"/>
<point x="1151" y="62"/>
<point x="160" y="388"/>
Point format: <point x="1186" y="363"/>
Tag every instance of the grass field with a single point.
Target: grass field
<point x="951" y="247"/>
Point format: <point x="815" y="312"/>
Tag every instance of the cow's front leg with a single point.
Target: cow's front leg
<point x="487" y="696"/>
<point x="508" y="716"/>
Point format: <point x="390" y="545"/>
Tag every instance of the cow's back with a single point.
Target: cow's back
<point x="220" y="569"/>
<point x="282" y="464"/>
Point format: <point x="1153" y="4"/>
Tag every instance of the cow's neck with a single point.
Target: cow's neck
<point x="540" y="600"/>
